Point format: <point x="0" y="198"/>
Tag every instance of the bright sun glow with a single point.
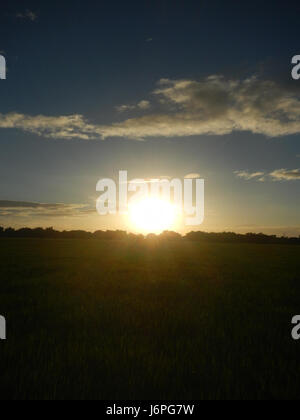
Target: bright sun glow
<point x="152" y="215"/>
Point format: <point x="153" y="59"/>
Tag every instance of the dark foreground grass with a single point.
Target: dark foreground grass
<point x="120" y="320"/>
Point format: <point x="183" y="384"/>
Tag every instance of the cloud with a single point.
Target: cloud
<point x="213" y="105"/>
<point x="277" y="175"/>
<point x="125" y="108"/>
<point x="193" y="176"/>
<point x="27" y="15"/>
<point x="249" y="175"/>
<point x="66" y="127"/>
<point x="142" y="105"/>
<point x="30" y="209"/>
<point x="217" y="106"/>
<point x="286" y="174"/>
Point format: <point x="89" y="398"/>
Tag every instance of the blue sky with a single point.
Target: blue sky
<point x="158" y="88"/>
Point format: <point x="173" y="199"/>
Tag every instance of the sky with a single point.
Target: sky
<point x="157" y="88"/>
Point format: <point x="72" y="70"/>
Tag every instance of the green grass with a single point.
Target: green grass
<point x="171" y="320"/>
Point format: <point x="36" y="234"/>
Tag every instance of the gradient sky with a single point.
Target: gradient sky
<point x="160" y="88"/>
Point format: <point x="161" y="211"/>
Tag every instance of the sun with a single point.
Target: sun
<point x="152" y="215"/>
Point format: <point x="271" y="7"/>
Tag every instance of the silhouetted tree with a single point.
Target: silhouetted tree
<point x="120" y="235"/>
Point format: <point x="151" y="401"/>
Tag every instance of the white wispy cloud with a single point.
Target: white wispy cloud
<point x="249" y="175"/>
<point x="286" y="174"/>
<point x="213" y="105"/>
<point x="27" y="15"/>
<point x="66" y="127"/>
<point x="142" y="105"/>
<point x="193" y="176"/>
<point x="277" y="175"/>
<point x="30" y="209"/>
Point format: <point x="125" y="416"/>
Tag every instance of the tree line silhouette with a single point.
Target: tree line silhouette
<point x="225" y="237"/>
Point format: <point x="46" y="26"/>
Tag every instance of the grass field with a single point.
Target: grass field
<point x="143" y="320"/>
